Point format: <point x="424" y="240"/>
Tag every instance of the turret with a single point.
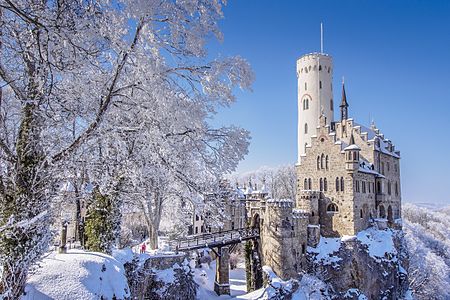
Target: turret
<point x="352" y="156"/>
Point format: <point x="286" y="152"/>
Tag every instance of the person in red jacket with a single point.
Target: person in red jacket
<point x="143" y="248"/>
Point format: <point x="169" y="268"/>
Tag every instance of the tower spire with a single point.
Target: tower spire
<point x="344" y="104"/>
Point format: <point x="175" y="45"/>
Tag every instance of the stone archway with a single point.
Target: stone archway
<point x="255" y="221"/>
<point x="382" y="212"/>
<point x="390" y="215"/>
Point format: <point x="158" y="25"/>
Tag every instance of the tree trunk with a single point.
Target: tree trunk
<point x="153" y="237"/>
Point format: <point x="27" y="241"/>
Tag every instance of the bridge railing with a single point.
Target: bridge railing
<point x="214" y="239"/>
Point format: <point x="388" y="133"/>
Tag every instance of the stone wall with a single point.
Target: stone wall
<point x="284" y="238"/>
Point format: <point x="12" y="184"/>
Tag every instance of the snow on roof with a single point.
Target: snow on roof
<point x="373" y="134"/>
<point x="366" y="167"/>
<point x="352" y="147"/>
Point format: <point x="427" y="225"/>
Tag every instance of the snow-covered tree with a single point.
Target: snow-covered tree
<point x="427" y="238"/>
<point x="74" y="71"/>
<point x="281" y="182"/>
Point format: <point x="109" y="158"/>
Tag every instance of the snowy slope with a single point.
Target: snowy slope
<point x="77" y="275"/>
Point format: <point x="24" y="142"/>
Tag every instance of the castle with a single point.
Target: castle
<point x="348" y="177"/>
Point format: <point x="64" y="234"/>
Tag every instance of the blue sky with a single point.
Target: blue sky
<point x="395" y="56"/>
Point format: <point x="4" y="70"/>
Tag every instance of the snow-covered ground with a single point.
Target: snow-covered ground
<point x="77" y="275"/>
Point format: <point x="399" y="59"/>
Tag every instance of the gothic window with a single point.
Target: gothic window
<point x="318" y="162"/>
<point x="306" y="127"/>
<point x="357" y="186"/>
<point x="332" y="207"/>
<point x="309" y="184"/>
<point x="337" y="184"/>
<point x="322" y="161"/>
<point x="389" y="187"/>
<point x="325" y="184"/>
<point x="326" y="162"/>
<point x="321" y="184"/>
<point x="361" y="215"/>
<point x="305" y="185"/>
<point x="396" y="188"/>
<point x="342" y="184"/>
<point x="331" y="105"/>
<point x="320" y="84"/>
<point x="305" y="104"/>
<point x="382" y="168"/>
<point x="379" y="187"/>
<point x="364" y="187"/>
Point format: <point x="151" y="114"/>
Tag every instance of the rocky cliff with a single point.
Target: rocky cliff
<point x="370" y="265"/>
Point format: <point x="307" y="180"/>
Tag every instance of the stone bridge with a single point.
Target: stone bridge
<point x="221" y="243"/>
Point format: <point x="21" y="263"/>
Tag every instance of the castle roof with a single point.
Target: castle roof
<point x="352" y="147"/>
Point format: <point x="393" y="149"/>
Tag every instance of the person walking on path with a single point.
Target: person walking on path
<point x="143" y="248"/>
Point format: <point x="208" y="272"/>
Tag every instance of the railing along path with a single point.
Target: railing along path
<point x="216" y="239"/>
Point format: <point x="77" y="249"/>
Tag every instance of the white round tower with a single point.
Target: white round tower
<point x="315" y="95"/>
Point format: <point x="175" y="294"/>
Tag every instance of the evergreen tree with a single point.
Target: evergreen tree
<point x="99" y="227"/>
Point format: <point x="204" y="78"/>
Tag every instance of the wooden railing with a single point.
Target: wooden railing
<point x="216" y="239"/>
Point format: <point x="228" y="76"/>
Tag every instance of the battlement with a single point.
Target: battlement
<point x="300" y="214"/>
<point x="280" y="203"/>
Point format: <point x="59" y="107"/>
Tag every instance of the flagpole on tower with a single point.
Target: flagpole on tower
<point x="321" y="38"/>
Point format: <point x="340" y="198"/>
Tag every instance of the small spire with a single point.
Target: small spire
<point x="344" y="103"/>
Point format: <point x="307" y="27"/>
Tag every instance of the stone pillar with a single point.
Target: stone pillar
<point x="257" y="276"/>
<point x="222" y="281"/>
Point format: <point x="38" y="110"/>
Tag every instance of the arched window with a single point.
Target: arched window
<point x="378" y="187"/>
<point x="332" y="208"/>
<point x="322" y="161"/>
<point x="389" y="187"/>
<point x="305" y="184"/>
<point x="305" y="104"/>
<point x="396" y="188"/>
<point x="306" y="127"/>
<point x="342" y="184"/>
<point x="321" y="184"/>
<point x="309" y="184"/>
<point x="325" y="184"/>
<point x="318" y="162"/>
<point x="337" y="184"/>
<point x="326" y="162"/>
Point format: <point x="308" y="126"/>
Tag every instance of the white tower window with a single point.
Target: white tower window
<point x="306" y="86"/>
<point x="320" y="84"/>
<point x="305" y="104"/>
<point x="306" y="128"/>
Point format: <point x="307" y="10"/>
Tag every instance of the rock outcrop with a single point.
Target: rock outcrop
<point x="371" y="264"/>
<point x="161" y="277"/>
